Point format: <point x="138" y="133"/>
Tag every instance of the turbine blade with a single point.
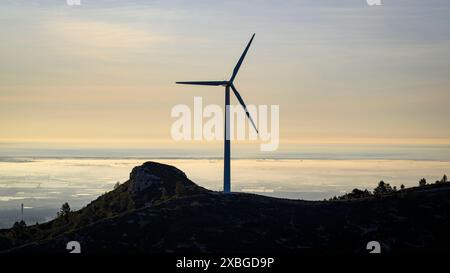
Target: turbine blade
<point x="241" y="101"/>
<point x="215" y="83"/>
<point x="238" y="65"/>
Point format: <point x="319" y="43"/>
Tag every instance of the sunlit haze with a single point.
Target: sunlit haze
<point x="341" y="71"/>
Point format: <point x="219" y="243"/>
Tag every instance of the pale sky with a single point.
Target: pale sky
<point x="339" y="70"/>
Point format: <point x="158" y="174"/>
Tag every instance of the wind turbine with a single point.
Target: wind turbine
<point x="228" y="84"/>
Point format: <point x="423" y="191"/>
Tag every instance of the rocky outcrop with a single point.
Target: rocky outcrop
<point x="153" y="182"/>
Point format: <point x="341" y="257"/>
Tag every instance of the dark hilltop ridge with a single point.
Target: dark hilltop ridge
<point x="159" y="210"/>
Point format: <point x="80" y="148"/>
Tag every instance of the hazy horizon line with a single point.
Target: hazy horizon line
<point x="289" y="141"/>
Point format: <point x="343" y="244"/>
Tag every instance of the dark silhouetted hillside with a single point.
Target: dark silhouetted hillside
<point x="160" y="210"/>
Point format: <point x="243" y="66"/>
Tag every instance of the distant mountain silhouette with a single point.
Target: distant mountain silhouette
<point x="160" y="210"/>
